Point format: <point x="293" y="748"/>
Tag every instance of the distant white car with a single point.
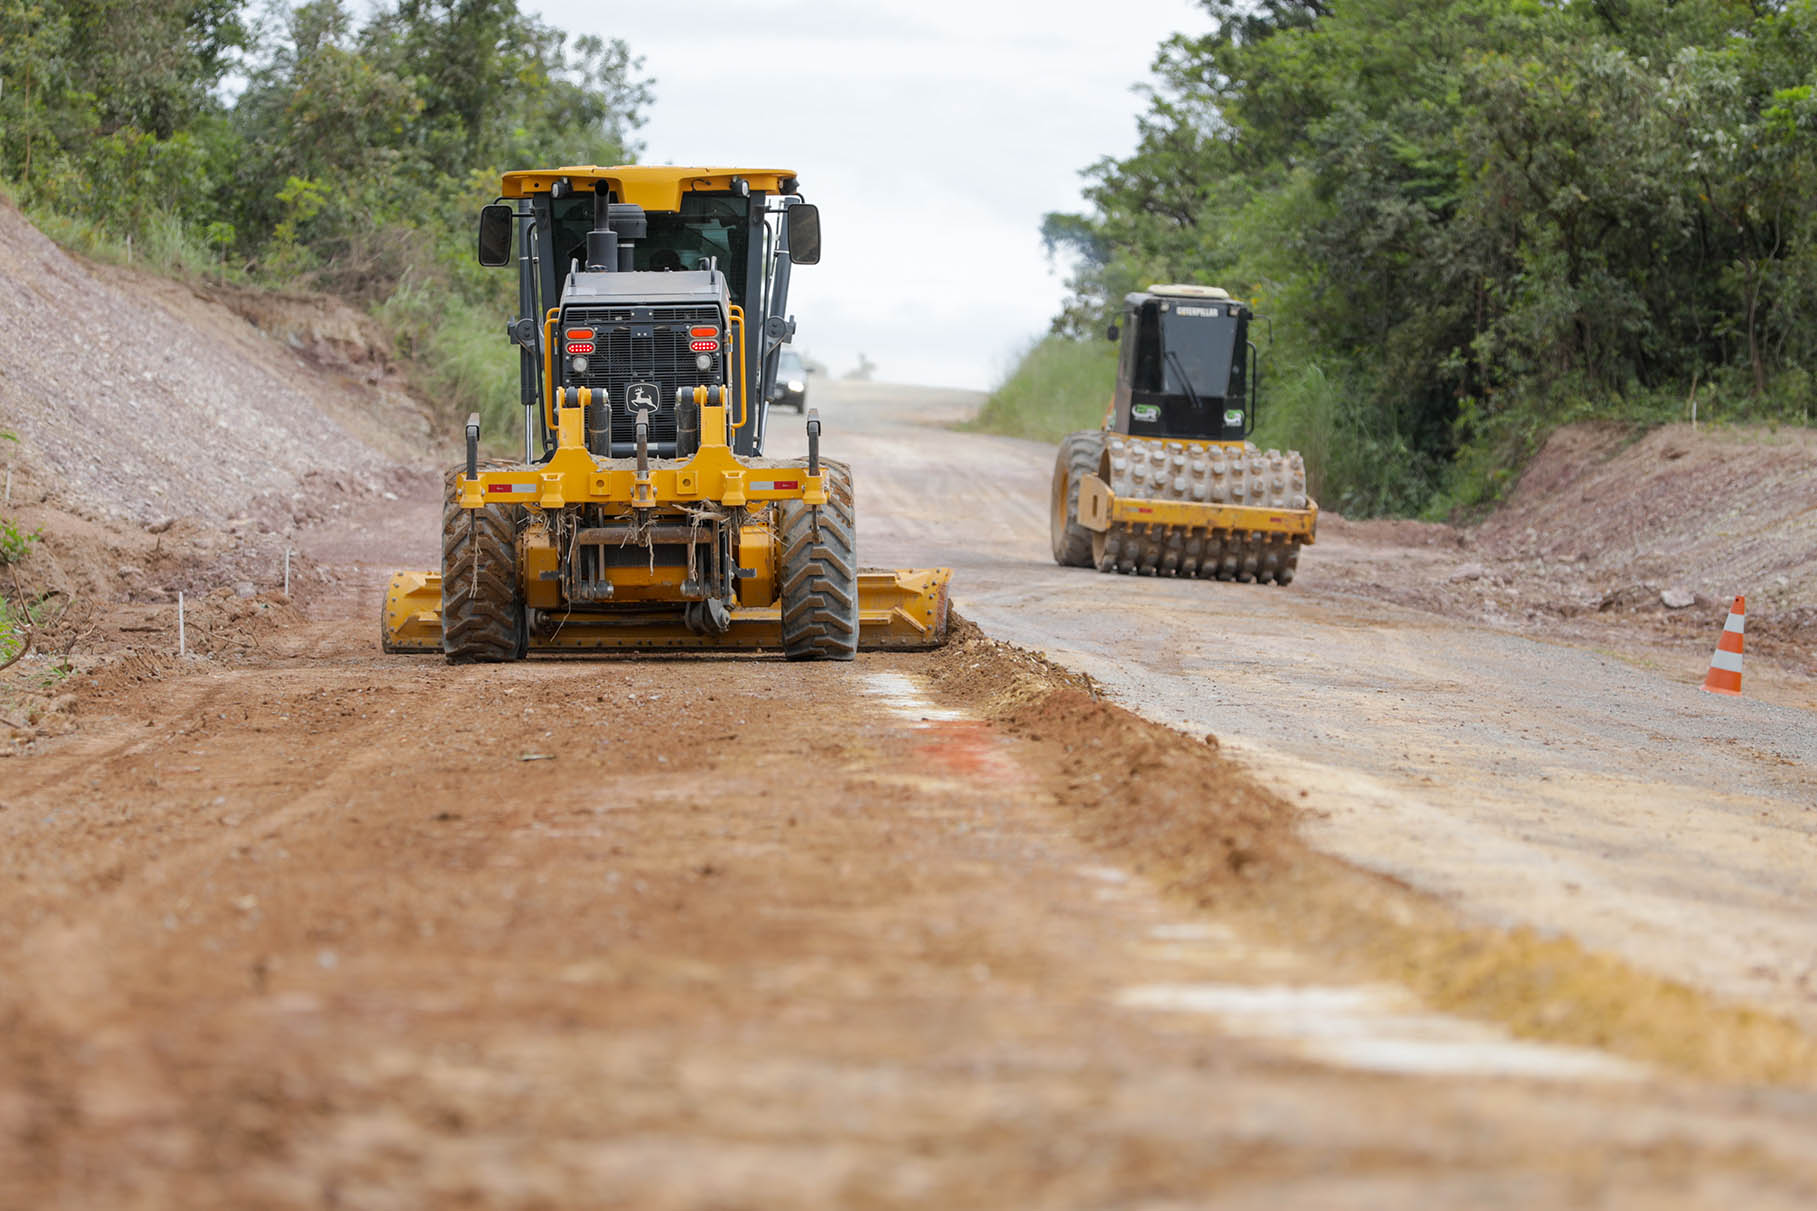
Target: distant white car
<point x="791" y="386"/>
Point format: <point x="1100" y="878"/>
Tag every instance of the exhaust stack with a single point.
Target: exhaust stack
<point x="617" y="226"/>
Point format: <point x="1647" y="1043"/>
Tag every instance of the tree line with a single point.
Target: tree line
<point x="306" y="145"/>
<point x="1471" y="220"/>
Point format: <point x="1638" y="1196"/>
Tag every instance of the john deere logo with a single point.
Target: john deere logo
<point x="1149" y="412"/>
<point x="641" y="397"/>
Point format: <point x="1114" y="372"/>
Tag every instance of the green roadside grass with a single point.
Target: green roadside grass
<point x="1058" y="387"/>
<point x="458" y="356"/>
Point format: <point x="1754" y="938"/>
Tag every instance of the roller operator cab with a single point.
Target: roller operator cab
<point x="652" y="315"/>
<point x="1185" y="366"/>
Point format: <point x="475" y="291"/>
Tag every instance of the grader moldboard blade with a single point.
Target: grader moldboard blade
<point x="411" y="618"/>
<point x="902" y="610"/>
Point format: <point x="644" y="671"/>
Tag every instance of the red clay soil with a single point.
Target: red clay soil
<point x="292" y="923"/>
<point x="297" y="924"/>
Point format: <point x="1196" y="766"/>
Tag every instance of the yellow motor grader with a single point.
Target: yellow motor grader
<point x="652" y="313"/>
<point x="1171" y="486"/>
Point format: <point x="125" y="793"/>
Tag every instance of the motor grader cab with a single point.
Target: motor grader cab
<point x="643" y="514"/>
<point x="1171" y="486"/>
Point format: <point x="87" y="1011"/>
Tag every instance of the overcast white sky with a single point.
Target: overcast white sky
<point x="933" y="134"/>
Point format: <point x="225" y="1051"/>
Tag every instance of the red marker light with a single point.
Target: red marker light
<point x="698" y="346"/>
<point x="580" y="334"/>
<point x="580" y="346"/>
<point x="703" y="332"/>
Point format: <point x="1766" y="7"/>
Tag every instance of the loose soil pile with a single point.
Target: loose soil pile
<point x="1605" y="525"/>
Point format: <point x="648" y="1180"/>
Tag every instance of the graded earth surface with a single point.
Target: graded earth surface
<point x="1429" y="880"/>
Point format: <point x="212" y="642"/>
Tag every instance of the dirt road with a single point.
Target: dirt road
<point x="302" y="925"/>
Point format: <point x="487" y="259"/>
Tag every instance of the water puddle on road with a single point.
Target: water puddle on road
<point x="956" y="740"/>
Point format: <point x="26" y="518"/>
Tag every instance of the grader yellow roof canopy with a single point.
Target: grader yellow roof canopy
<point x="653" y="186"/>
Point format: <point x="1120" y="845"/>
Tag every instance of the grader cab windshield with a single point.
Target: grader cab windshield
<point x="715" y="226"/>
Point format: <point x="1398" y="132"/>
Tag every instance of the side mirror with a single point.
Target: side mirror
<point x="495" y="235"/>
<point x="1113" y="333"/>
<point x="804" y="234"/>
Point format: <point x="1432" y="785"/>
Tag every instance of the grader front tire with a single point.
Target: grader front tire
<point x="820" y="574"/>
<point x="482" y="604"/>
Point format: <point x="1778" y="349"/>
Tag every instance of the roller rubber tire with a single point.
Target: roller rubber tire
<point x="820" y="573"/>
<point x="1078" y="457"/>
<point x="482" y="601"/>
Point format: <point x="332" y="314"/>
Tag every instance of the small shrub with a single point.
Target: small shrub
<point x="14" y="542"/>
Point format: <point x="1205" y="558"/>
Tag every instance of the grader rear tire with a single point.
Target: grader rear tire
<point x="820" y="573"/>
<point x="1078" y="457"/>
<point x="482" y="603"/>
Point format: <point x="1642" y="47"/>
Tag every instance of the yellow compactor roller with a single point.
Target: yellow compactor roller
<point x="1171" y="485"/>
<point x="643" y="514"/>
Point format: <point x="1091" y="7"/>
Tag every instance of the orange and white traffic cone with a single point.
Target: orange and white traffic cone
<point x="1725" y="665"/>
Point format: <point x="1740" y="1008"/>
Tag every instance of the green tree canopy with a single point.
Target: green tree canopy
<point x="1470" y="218"/>
<point x="339" y="136"/>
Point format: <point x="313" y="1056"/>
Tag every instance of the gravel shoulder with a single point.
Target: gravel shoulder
<point x="167" y="401"/>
